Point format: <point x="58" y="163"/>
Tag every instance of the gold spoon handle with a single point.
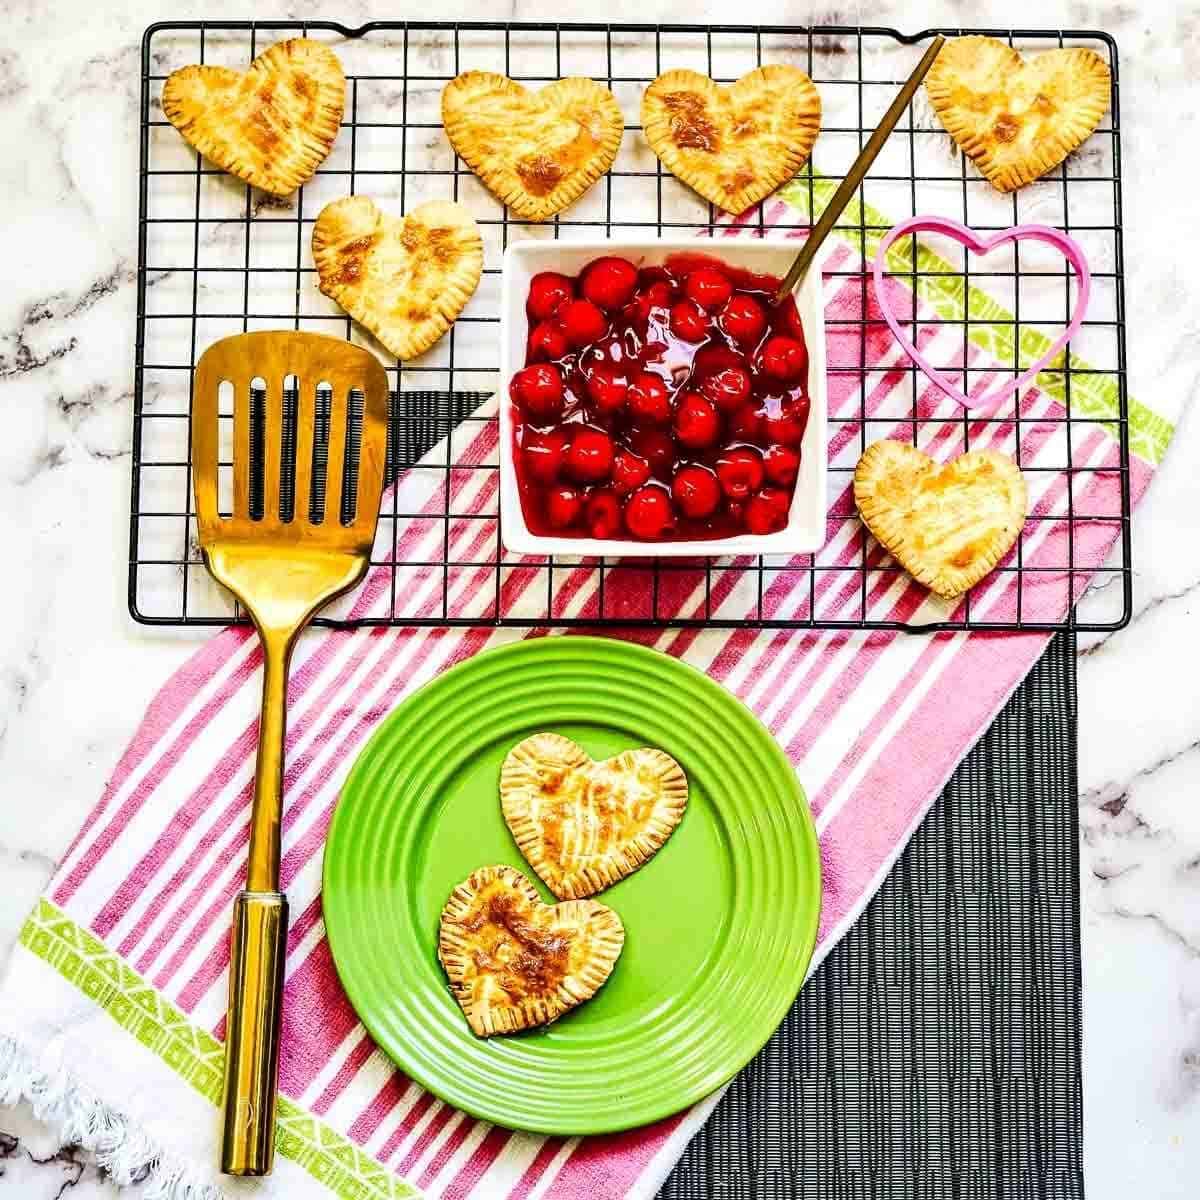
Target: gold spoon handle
<point x="857" y="172"/>
<point x="259" y="944"/>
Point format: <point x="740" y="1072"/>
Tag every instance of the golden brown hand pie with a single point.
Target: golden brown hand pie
<point x="734" y="145"/>
<point x="405" y="279"/>
<point x="948" y="525"/>
<point x="583" y="825"/>
<point x="1016" y="117"/>
<point x="514" y="961"/>
<point x="272" y="124"/>
<point x="537" y="151"/>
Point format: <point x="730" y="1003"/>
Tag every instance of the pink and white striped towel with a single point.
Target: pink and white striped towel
<point x="111" y="1014"/>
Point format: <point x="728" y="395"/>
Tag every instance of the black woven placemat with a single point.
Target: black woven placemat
<point x="936" y="1052"/>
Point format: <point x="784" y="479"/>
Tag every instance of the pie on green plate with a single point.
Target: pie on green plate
<point x="719" y="925"/>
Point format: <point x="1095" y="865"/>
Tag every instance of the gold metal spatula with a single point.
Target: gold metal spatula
<point x="307" y="477"/>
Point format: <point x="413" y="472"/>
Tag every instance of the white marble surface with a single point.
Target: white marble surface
<point x="75" y="673"/>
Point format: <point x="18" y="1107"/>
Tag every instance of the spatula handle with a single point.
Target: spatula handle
<point x="252" y="1035"/>
<point x="259" y="943"/>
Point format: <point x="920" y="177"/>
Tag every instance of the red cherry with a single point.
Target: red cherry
<point x="563" y="506"/>
<point x="583" y="322"/>
<point x="648" y="275"/>
<point x="656" y="296"/>
<point x="547" y="341"/>
<point x="609" y="283"/>
<point x="606" y="386"/>
<point x="648" y="513"/>
<point x="603" y="514"/>
<point x="659" y="294"/>
<point x="590" y="454"/>
<point x="656" y="447"/>
<point x="609" y="349"/>
<point x="784" y="358"/>
<point x="784" y="422"/>
<point x="745" y="425"/>
<point x="711" y="359"/>
<point x="740" y="472"/>
<point x="648" y="399"/>
<point x="787" y="319"/>
<point x="548" y="292"/>
<point x="629" y="471"/>
<point x="544" y="453"/>
<point x="708" y="287"/>
<point x="689" y="322"/>
<point x="782" y="465"/>
<point x="767" y="511"/>
<point x="742" y="320"/>
<point x="728" y="389"/>
<point x="696" y="491"/>
<point x="697" y="422"/>
<point x="538" y="390"/>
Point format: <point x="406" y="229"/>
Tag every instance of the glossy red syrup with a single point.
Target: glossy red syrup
<point x="661" y="404"/>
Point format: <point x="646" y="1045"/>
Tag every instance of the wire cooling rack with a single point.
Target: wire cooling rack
<point x="217" y="257"/>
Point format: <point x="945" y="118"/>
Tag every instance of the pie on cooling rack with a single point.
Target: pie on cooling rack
<point x="537" y="151"/>
<point x="272" y="124"/>
<point x="1016" y="118"/>
<point x="734" y="145"/>
<point x="583" y="825"/>
<point x="947" y="525"/>
<point x="405" y="279"/>
<point x="515" y="962"/>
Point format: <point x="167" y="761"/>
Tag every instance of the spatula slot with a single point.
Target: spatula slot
<point x="320" y="453"/>
<point x="356" y="401"/>
<point x="287" y="449"/>
<point x="285" y="431"/>
<point x="258" y="441"/>
<point x="225" y="448"/>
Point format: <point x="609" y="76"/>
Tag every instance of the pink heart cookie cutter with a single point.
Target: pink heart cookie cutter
<point x="1071" y="251"/>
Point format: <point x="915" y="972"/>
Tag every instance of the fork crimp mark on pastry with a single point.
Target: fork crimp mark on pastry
<point x="947" y="525"/>
<point x="406" y="279"/>
<point x="737" y="144"/>
<point x="272" y="124"/>
<point x="1017" y="118"/>
<point x="584" y="825"/>
<point x="514" y="961"/>
<point x="536" y="151"/>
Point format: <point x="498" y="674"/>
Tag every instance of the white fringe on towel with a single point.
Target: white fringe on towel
<point x="78" y="1118"/>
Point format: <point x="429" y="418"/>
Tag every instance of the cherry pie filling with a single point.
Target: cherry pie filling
<point x="661" y="403"/>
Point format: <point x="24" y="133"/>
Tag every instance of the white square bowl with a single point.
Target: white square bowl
<point x="805" y="530"/>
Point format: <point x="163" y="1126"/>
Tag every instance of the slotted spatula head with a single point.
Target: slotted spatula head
<point x="309" y="443"/>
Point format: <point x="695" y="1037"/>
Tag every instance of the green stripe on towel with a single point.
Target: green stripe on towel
<point x="1093" y="396"/>
<point x="196" y="1056"/>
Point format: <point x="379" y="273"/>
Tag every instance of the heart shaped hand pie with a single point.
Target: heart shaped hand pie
<point x="514" y="962"/>
<point x="405" y="280"/>
<point x="583" y="825"/>
<point x="734" y="145"/>
<point x="537" y="151"/>
<point x="271" y="125"/>
<point x="948" y="525"/>
<point x="1015" y="117"/>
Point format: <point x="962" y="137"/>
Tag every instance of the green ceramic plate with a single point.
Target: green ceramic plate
<point x="720" y="924"/>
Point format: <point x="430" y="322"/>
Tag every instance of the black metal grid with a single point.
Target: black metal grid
<point x="937" y="1051"/>
<point x="216" y="257"/>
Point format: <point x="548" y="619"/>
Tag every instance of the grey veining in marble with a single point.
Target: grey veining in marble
<point x="32" y="1167"/>
<point x="75" y="673"/>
